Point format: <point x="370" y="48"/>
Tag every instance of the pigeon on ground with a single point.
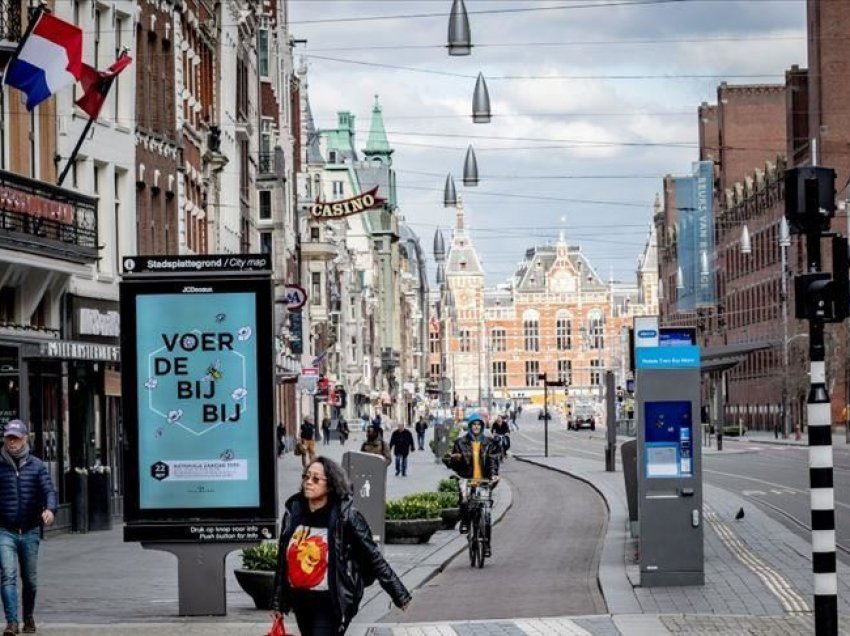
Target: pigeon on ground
<point x="740" y="514"/>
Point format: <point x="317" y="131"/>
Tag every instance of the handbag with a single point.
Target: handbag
<point x="277" y="628"/>
<point x="299" y="449"/>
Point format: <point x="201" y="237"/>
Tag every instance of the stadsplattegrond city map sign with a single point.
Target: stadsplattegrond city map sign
<point x="198" y="404"/>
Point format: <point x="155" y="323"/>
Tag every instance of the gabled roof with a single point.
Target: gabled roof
<point x="462" y="259"/>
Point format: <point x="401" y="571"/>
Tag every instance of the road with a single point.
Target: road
<point x="776" y="478"/>
<point x="545" y="557"/>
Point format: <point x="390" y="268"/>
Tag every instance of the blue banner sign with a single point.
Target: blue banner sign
<point x="677" y="357"/>
<point x="695" y="250"/>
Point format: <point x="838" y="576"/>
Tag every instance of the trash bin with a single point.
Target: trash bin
<point x="100" y="500"/>
<point x="628" y="452"/>
<point x="76" y="487"/>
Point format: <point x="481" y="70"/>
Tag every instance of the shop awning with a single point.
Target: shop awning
<point x="728" y="356"/>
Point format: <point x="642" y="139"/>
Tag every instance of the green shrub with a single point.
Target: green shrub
<point x="447" y="485"/>
<point x="260" y="557"/>
<point x="416" y="506"/>
<point x="445" y="499"/>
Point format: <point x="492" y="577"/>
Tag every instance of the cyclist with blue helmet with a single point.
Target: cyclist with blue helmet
<point x="473" y="457"/>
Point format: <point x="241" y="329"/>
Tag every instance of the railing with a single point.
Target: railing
<point x="44" y="219"/>
<point x="265" y="163"/>
<point x="11" y="24"/>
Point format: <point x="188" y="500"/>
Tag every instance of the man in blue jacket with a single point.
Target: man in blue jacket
<point x="27" y="500"/>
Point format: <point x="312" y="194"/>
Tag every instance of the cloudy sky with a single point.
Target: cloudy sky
<point x="593" y="103"/>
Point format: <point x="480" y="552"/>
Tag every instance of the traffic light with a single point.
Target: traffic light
<point x="823" y="296"/>
<point x="812" y="210"/>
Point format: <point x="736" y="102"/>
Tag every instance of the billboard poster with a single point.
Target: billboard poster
<point x="197" y="379"/>
<point x="197" y="400"/>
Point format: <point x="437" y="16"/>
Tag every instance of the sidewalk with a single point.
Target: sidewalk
<point x="96" y="584"/>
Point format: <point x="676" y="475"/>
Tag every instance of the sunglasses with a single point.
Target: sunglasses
<point x="312" y="477"/>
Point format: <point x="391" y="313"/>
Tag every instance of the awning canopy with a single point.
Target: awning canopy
<point x="729" y="356"/>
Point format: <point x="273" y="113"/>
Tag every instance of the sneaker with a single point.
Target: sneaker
<point x="11" y="629"/>
<point x="29" y="626"/>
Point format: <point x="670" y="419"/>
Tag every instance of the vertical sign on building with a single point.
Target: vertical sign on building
<point x="695" y="237"/>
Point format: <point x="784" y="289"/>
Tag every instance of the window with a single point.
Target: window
<point x="565" y="372"/>
<point x="500" y="374"/>
<point x="332" y="156"/>
<point x="116" y="83"/>
<point x="263" y="52"/>
<point x="316" y="288"/>
<point x="597" y="329"/>
<point x="434" y="342"/>
<point x="338" y="189"/>
<point x="595" y="372"/>
<point x="531" y="330"/>
<point x="265" y="242"/>
<point x="532" y="371"/>
<point x="315" y="234"/>
<point x="265" y="205"/>
<point x="563" y="331"/>
<point x="435" y="370"/>
<point x="498" y="340"/>
<point x="465" y="337"/>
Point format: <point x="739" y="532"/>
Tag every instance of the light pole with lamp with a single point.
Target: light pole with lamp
<point x="784" y="243"/>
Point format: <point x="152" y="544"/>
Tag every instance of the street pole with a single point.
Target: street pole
<point x="545" y="416"/>
<point x="784" y="240"/>
<point x="611" y="423"/>
<point x="820" y="448"/>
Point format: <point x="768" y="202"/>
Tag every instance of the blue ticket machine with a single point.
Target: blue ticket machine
<point x="669" y="467"/>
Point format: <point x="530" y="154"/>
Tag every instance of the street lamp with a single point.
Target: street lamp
<point x="460" y="38"/>
<point x="481" y="102"/>
<point x="449" y="193"/>
<point x="470" y="168"/>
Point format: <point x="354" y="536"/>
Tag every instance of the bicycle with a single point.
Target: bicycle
<point x="479" y="503"/>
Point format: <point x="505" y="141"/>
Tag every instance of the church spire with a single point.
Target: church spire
<point x="378" y="146"/>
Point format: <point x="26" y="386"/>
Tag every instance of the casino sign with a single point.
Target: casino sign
<point x="346" y="207"/>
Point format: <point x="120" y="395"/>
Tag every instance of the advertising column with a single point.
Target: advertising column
<point x="199" y="413"/>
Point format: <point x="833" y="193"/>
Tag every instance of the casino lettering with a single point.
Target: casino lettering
<point x="347" y="207"/>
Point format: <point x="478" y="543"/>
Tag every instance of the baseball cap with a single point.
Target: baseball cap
<point x="15" y="428"/>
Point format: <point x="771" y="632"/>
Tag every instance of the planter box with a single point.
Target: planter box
<point x="450" y="517"/>
<point x="258" y="584"/>
<point x="411" y="530"/>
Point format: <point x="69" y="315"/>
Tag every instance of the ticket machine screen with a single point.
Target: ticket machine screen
<point x="668" y="436"/>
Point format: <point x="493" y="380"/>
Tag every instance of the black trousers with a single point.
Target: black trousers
<point x="314" y="621"/>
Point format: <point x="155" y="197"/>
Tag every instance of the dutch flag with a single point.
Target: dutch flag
<point x="48" y="59"/>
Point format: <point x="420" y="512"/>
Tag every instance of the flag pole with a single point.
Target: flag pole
<point x="87" y="127"/>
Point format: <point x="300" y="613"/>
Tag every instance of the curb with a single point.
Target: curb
<point x="614" y="584"/>
<point x="376" y="607"/>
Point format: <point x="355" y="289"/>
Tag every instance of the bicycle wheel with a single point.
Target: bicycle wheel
<point x="481" y="536"/>
<point x="474" y="550"/>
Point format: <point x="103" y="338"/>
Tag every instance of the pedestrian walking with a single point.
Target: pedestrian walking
<point x="326" y="430"/>
<point x="342" y="429"/>
<point x="376" y="445"/>
<point x="364" y="423"/>
<point x="281" y="439"/>
<point x="307" y="441"/>
<point x="401" y="443"/>
<point x="327" y="555"/>
<point x="27" y="499"/>
<point x="421" y="427"/>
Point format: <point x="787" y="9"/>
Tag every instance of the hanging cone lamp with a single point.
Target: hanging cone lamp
<point x="680" y="279"/>
<point x="746" y="246"/>
<point x="449" y="193"/>
<point x="460" y="39"/>
<point x="470" y="168"/>
<point x="481" y="102"/>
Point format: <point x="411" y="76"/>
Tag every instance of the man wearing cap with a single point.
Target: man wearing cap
<point x="27" y="499"/>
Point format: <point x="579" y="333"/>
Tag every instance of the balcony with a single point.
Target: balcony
<point x="318" y="251"/>
<point x="11" y="26"/>
<point x="43" y="219"/>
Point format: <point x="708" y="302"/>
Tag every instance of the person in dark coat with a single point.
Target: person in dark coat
<point x="401" y="443"/>
<point x="307" y="440"/>
<point x="375" y="444"/>
<point x="281" y="439"/>
<point x="421" y="427"/>
<point x="343" y="430"/>
<point x="327" y="555"/>
<point x="326" y="430"/>
<point x="27" y="499"/>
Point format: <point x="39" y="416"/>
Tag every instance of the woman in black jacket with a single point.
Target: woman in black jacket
<point x="327" y="555"/>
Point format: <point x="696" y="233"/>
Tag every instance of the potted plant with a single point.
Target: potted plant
<point x="256" y="576"/>
<point x="412" y="519"/>
<point x="447" y="500"/>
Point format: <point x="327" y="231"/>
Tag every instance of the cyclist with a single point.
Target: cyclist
<point x="473" y="457"/>
<point x="501" y="434"/>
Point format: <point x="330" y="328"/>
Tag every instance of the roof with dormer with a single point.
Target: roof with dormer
<point x="543" y="262"/>
<point x="462" y="259"/>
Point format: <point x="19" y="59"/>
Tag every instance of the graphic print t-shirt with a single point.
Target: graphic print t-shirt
<point x="308" y="553"/>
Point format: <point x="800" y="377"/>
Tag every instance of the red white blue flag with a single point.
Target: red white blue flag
<point x="49" y="59"/>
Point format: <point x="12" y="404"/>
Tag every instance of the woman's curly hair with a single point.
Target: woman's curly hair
<point x="338" y="486"/>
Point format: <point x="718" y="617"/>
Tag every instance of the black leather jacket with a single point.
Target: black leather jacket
<point x="463" y="465"/>
<point x="354" y="560"/>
